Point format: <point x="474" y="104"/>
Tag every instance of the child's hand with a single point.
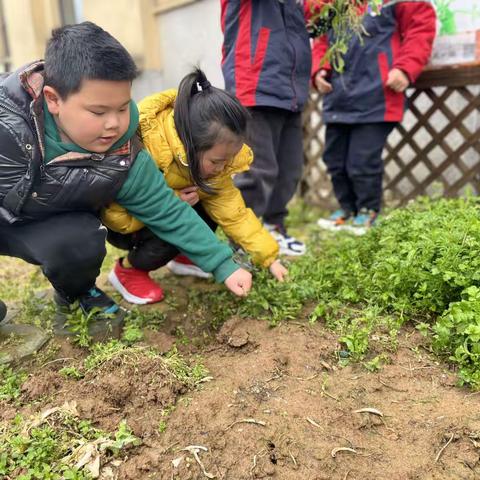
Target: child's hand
<point x="190" y="195"/>
<point x="397" y="80"/>
<point x="278" y="270"/>
<point x="239" y="282"/>
<point x="321" y="83"/>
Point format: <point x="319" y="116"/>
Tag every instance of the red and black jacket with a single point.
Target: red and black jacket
<point x="266" y="52"/>
<point x="400" y="37"/>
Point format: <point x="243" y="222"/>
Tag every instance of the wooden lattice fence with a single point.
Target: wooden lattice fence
<point x="435" y="151"/>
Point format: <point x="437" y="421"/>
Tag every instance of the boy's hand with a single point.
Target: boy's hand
<point x="239" y="282"/>
<point x="397" y="80"/>
<point x="278" y="270"/>
<point x="189" y="195"/>
<point x="321" y="83"/>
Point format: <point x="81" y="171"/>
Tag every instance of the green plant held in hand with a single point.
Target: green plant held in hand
<point x="344" y="19"/>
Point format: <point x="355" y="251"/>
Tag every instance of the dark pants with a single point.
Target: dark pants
<point x="69" y="247"/>
<point x="148" y="252"/>
<point x="353" y="156"/>
<point x="275" y="136"/>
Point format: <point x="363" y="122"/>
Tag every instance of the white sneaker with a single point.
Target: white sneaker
<point x="288" y="245"/>
<point x="181" y="265"/>
<point x="337" y="221"/>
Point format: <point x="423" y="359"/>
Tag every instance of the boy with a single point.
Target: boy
<point x="363" y="104"/>
<point x="67" y="130"/>
<point x="266" y="65"/>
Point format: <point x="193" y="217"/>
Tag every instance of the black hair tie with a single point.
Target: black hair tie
<point x="204" y="84"/>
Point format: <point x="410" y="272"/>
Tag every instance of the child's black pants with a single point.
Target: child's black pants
<point x="69" y="247"/>
<point x="276" y="138"/>
<point x="353" y="156"/>
<point x="148" y="252"/>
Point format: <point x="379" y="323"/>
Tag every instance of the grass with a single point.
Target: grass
<point x="50" y="445"/>
<point x="420" y="265"/>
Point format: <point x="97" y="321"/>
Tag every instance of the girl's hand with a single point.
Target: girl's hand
<point x="239" y="282"/>
<point x="278" y="270"/>
<point x="397" y="80"/>
<point x="321" y="83"/>
<point x="190" y="195"/>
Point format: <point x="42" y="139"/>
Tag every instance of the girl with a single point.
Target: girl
<point x="196" y="138"/>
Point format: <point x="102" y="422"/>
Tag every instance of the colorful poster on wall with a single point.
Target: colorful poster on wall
<point x="458" y="38"/>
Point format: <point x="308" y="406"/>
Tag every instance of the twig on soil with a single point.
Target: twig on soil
<point x="324" y="392"/>
<point x="194" y="450"/>
<point x="254" y="463"/>
<point x="261" y="453"/>
<point x="247" y="420"/>
<point x="373" y="411"/>
<point x="315" y="424"/>
<point x="437" y="458"/>
<point x="57" y="360"/>
<point x="346" y="475"/>
<point x="275" y="377"/>
<point x="306" y="379"/>
<point x="342" y="449"/>
<point x="293" y="458"/>
<point x="204" y="380"/>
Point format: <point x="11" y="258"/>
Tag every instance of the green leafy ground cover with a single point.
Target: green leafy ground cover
<point x="419" y="265"/>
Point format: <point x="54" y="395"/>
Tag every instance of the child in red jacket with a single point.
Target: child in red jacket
<point x="362" y="105"/>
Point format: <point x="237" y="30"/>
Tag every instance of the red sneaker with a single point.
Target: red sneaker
<point x="135" y="285"/>
<point x="182" y="265"/>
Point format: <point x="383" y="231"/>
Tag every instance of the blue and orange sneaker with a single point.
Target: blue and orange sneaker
<point x="336" y="221"/>
<point x="363" y="221"/>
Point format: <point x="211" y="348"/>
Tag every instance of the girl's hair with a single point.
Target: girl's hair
<point x="202" y="113"/>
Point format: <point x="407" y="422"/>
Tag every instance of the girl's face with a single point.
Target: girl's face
<point x="214" y="160"/>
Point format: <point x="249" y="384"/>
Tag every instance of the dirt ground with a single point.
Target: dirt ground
<point x="278" y="406"/>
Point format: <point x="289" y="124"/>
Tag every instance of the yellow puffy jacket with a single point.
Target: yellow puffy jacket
<point x="226" y="207"/>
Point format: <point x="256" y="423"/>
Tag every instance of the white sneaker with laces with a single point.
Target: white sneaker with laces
<point x="288" y="245"/>
<point x="185" y="269"/>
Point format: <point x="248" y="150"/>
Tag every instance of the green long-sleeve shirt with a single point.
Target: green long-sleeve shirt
<point x="147" y="197"/>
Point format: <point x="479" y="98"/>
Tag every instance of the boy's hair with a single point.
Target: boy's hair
<point x="85" y="52"/>
<point x="203" y="116"/>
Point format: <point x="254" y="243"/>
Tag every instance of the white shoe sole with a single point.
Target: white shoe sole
<point x="291" y="253"/>
<point x="359" y="231"/>
<point x="187" y="270"/>
<point x="117" y="285"/>
<point x="331" y="227"/>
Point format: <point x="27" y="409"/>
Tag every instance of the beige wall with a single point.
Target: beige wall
<point x="132" y="22"/>
<point x="28" y="26"/>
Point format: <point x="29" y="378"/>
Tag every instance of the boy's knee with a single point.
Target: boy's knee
<point x="81" y="240"/>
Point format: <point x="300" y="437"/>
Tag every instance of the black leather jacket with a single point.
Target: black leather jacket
<point x="31" y="189"/>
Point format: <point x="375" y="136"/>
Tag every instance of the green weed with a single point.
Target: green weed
<point x="10" y="383"/>
<point x="46" y="447"/>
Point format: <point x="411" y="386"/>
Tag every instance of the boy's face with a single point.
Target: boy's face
<point x="93" y="118"/>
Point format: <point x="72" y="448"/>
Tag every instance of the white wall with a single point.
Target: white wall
<point x="191" y="35"/>
<point x="466" y="14"/>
